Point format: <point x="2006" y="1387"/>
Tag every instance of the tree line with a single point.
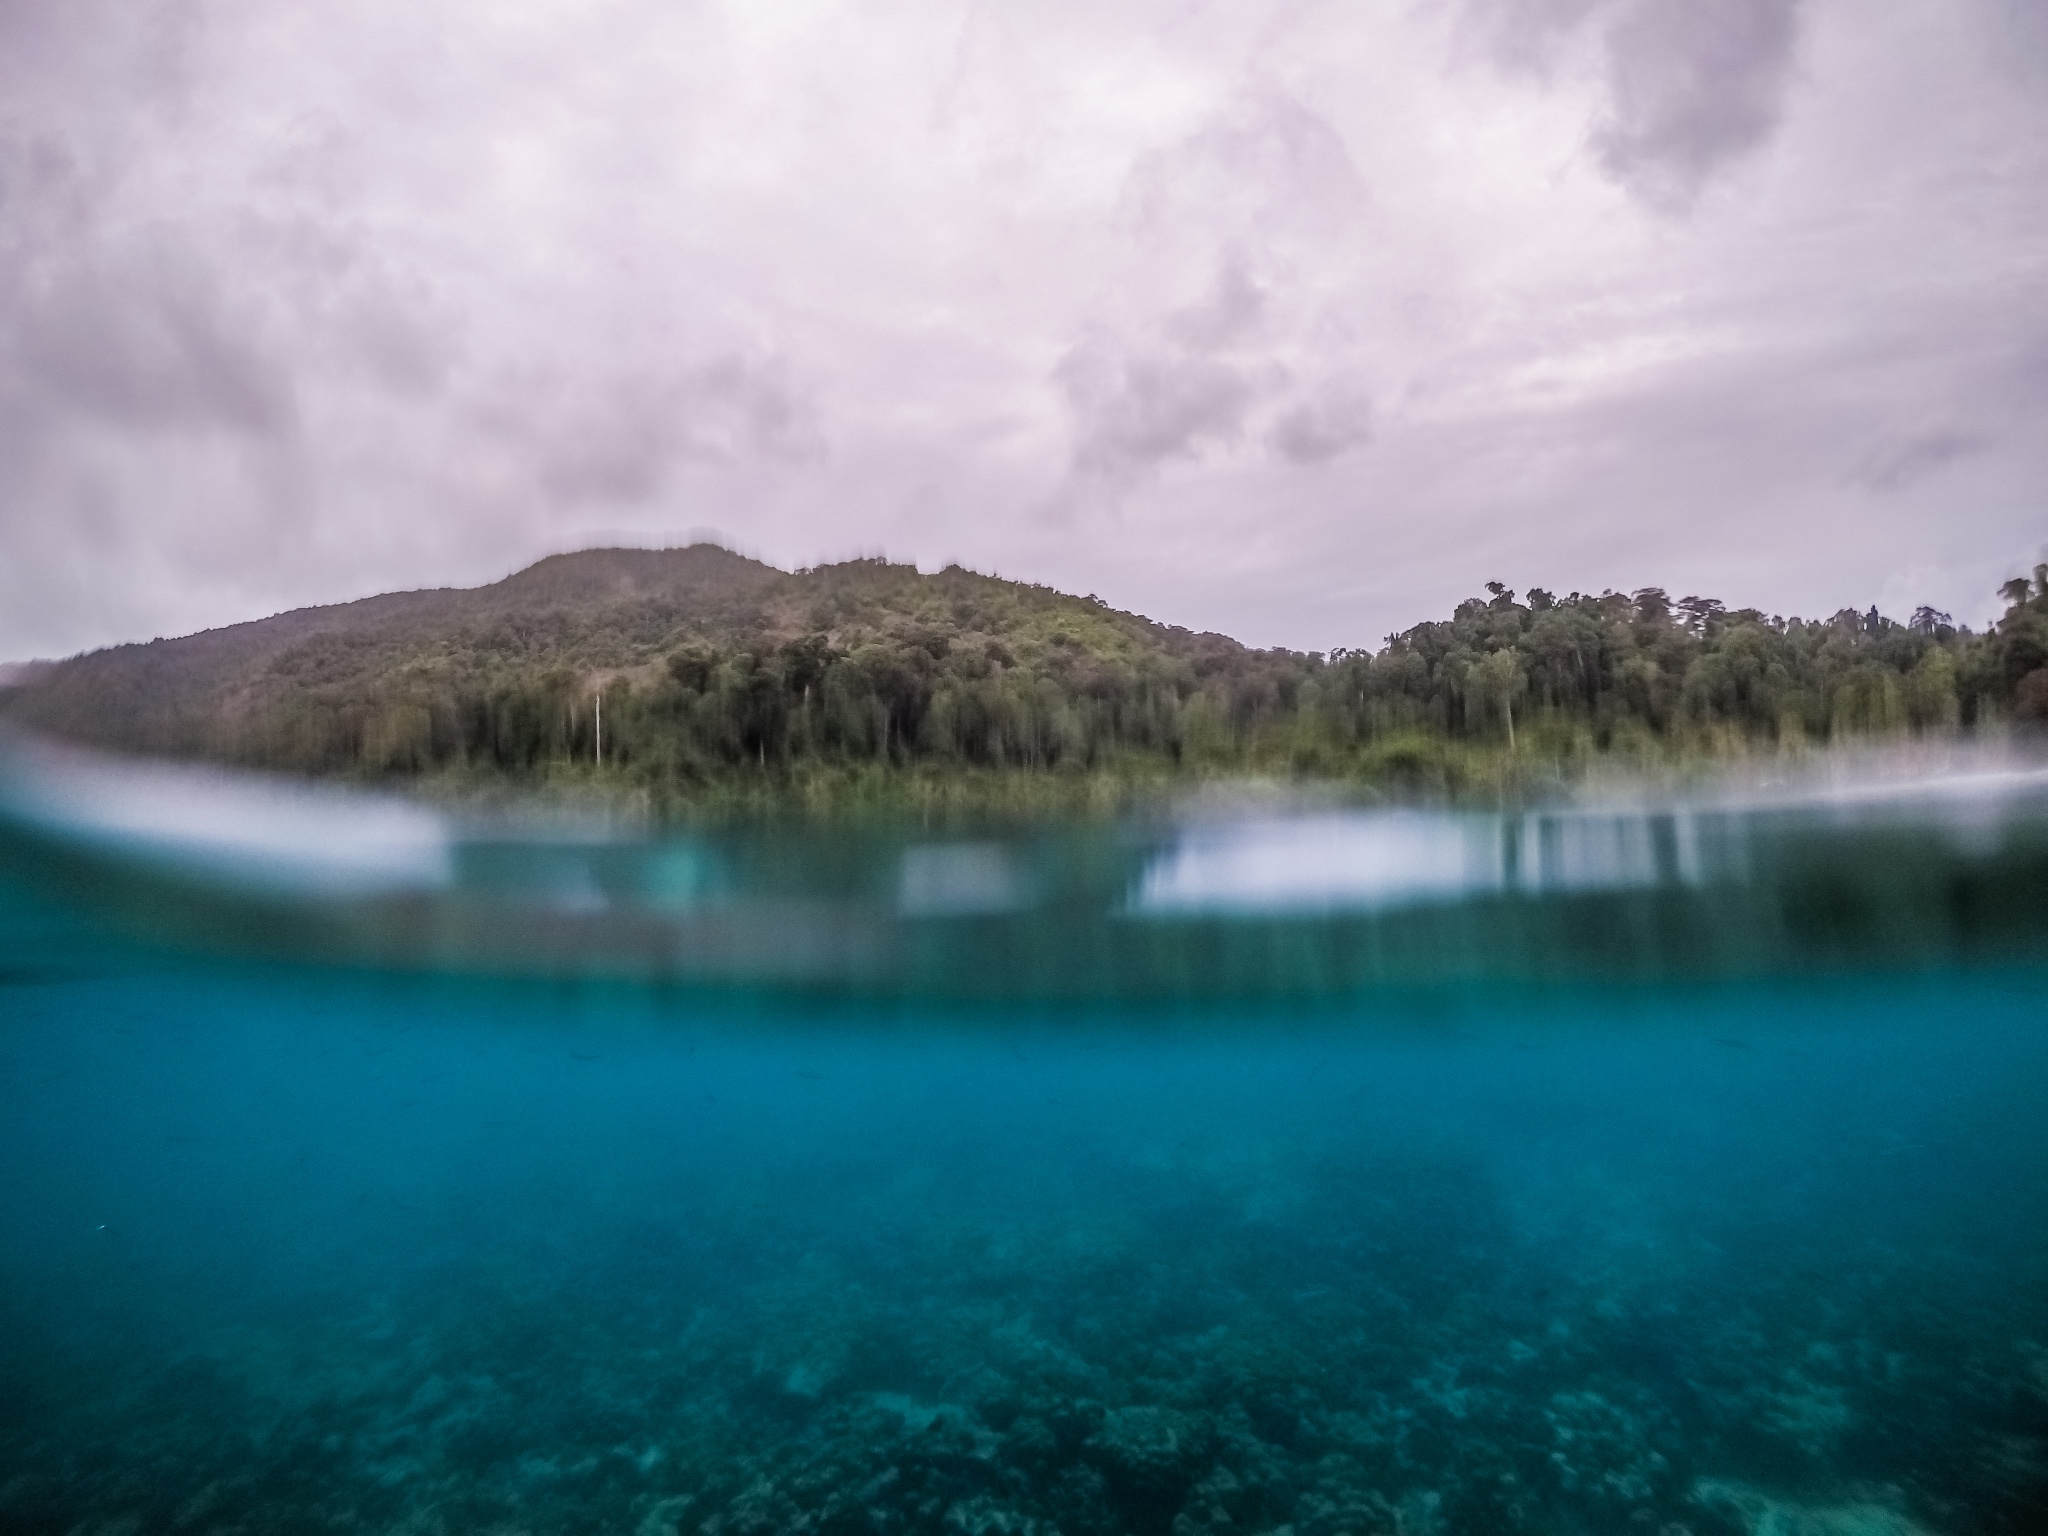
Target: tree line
<point x="962" y="672"/>
<point x="696" y="673"/>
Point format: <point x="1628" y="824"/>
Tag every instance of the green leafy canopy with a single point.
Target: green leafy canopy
<point x="697" y="677"/>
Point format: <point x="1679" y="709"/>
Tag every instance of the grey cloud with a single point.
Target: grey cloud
<point x="2018" y="35"/>
<point x="1696" y="85"/>
<point x="1140" y="405"/>
<point x="1901" y="461"/>
<point x="615" y="445"/>
<point x="1692" y="86"/>
<point x="404" y="345"/>
<point x="1523" y="35"/>
<point x="47" y="202"/>
<point x="131" y="328"/>
<point x="1174" y="392"/>
<point x="1267" y="167"/>
<point x="1322" y="426"/>
<point x="1228" y="315"/>
<point x="25" y="430"/>
<point x="37" y="38"/>
<point x="1251" y="189"/>
<point x="1202" y="380"/>
<point x="744" y="404"/>
<point x="90" y="58"/>
<point x="618" y="439"/>
<point x="151" y="341"/>
<point x="415" y="303"/>
<point x="1136" y="407"/>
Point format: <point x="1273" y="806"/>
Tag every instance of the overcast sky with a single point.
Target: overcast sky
<point x="1296" y="320"/>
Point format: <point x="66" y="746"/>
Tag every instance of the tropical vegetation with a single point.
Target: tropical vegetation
<point x="696" y="677"/>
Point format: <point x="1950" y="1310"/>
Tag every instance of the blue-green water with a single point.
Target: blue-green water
<point x="1688" y="1228"/>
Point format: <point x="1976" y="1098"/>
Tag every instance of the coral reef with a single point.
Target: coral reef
<point x="1413" y="1362"/>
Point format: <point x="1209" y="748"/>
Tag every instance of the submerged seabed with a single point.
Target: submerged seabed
<point x="289" y="1247"/>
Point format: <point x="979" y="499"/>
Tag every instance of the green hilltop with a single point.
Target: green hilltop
<point x="723" y="682"/>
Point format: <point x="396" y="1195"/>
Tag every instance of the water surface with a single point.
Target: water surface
<point x="1344" y="1175"/>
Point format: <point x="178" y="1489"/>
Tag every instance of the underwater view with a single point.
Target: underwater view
<point x="1671" y="1166"/>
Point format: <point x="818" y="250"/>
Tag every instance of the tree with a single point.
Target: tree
<point x="1703" y="615"/>
<point x="1929" y="621"/>
<point x="693" y="666"/>
<point x="805" y="662"/>
<point x="2030" y="696"/>
<point x="1498" y="679"/>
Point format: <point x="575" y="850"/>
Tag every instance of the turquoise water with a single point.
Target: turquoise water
<point x="1153" y="1180"/>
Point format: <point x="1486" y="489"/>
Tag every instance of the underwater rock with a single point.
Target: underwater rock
<point x="1217" y="1502"/>
<point x="1030" y="1443"/>
<point x="1811" y="1414"/>
<point x="1757" y="1513"/>
<point x="665" y="1516"/>
<point x="1603" y="1456"/>
<point x="1073" y="1421"/>
<point x="761" y="1510"/>
<point x="992" y="1395"/>
<point x="1343" y="1502"/>
<point x="1152" y="1457"/>
<point x="983" y="1516"/>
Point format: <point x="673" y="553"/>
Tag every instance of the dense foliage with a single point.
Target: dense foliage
<point x="698" y="673"/>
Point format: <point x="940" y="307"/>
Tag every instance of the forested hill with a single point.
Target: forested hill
<point x="719" y="675"/>
<point x="328" y="677"/>
<point x="703" y="658"/>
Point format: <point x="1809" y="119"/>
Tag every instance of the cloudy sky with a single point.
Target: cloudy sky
<point x="1293" y="319"/>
